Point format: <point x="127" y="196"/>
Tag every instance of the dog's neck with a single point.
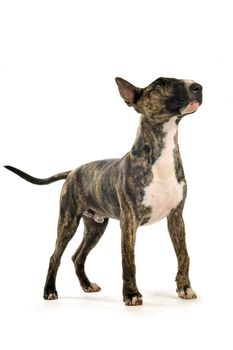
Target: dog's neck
<point x="151" y="137"/>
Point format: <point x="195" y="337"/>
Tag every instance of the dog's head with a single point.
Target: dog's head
<point x="165" y="97"/>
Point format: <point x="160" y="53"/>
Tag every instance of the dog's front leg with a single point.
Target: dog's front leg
<point x="177" y="233"/>
<point x="131" y="295"/>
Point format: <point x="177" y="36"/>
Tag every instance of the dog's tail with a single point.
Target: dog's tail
<point x="36" y="181"/>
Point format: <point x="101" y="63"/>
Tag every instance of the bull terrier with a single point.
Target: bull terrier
<point x="143" y="187"/>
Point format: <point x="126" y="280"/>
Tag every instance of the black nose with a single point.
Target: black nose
<point x="196" y="87"/>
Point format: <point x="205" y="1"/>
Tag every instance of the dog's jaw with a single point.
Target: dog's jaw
<point x="190" y="108"/>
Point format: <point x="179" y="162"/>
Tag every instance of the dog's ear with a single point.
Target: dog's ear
<point x="128" y="92"/>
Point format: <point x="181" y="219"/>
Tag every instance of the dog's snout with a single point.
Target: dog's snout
<point x="196" y="87"/>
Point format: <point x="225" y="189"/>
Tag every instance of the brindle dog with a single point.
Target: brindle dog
<point x="145" y="186"/>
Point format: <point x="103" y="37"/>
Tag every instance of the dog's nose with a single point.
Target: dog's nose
<point x="195" y="87"/>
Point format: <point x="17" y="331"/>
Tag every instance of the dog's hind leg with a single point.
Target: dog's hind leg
<point x="66" y="231"/>
<point x="67" y="225"/>
<point x="93" y="231"/>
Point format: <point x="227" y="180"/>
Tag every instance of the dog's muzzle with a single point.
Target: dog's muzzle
<point x="195" y="95"/>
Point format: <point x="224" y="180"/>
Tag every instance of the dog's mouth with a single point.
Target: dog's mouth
<point x="190" y="108"/>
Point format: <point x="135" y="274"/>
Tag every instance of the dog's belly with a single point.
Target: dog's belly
<point x="164" y="193"/>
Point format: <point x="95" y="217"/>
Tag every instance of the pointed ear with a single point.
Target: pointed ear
<point x="128" y="92"/>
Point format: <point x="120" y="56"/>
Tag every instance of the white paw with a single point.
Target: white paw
<point x="187" y="293"/>
<point x="52" y="296"/>
<point x="134" y="301"/>
<point x="92" y="288"/>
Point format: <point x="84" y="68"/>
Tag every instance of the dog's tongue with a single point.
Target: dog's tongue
<point x="192" y="107"/>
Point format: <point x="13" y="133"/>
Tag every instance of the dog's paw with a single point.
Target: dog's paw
<point x="133" y="300"/>
<point x="187" y="293"/>
<point x="92" y="288"/>
<point x="51" y="295"/>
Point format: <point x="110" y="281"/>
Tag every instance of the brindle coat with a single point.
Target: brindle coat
<point x="116" y="188"/>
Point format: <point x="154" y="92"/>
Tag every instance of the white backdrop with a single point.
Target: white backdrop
<point x="59" y="108"/>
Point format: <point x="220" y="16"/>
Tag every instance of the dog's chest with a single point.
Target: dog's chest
<point x="164" y="193"/>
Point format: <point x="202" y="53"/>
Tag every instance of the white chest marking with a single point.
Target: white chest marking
<point x="164" y="193"/>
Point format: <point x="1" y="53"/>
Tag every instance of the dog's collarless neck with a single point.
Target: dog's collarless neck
<point x="150" y="139"/>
